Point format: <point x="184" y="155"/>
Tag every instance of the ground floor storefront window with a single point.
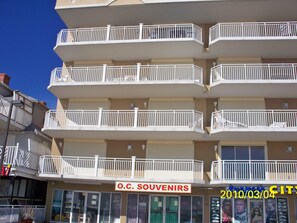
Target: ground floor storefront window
<point x="249" y="210"/>
<point x="82" y="206"/>
<point x="164" y="209"/>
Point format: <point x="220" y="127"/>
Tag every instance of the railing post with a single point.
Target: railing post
<point x="16" y="154"/>
<point x="42" y="159"/>
<point x="193" y="169"/>
<point x="223" y="170"/>
<point x="77" y="166"/>
<point x="219" y="30"/>
<point x="174" y="72"/>
<point x="276" y="170"/>
<point x="250" y="169"/>
<point x="289" y="28"/>
<point x="104" y="72"/>
<point x="269" y="72"/>
<point x="133" y="166"/>
<point x="248" y="118"/>
<point x="245" y="72"/>
<point x="293" y="72"/>
<point x="135" y="117"/>
<point x="242" y="32"/>
<point x="272" y="114"/>
<point x="62" y="166"/>
<point x="138" y="72"/>
<point x="140" y="30"/>
<point x="100" y="117"/>
<point x="108" y="32"/>
<point x="96" y="165"/>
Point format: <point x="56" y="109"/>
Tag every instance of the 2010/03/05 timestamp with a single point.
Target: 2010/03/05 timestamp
<point x="252" y="194"/>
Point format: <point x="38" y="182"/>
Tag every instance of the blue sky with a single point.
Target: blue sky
<point x="28" y="30"/>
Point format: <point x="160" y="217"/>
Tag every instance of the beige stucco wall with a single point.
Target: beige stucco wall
<point x="127" y="104"/>
<point x="73" y="147"/>
<point x="238" y="60"/>
<point x="88" y="104"/>
<point x="171" y="103"/>
<point x="205" y="105"/>
<point x="278" y="150"/>
<point x="119" y="148"/>
<point x="241" y="103"/>
<point x="170" y="150"/>
<point x="277" y="103"/>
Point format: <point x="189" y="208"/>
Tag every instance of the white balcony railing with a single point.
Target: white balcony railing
<point x="114" y="168"/>
<point x="122" y="74"/>
<point x="12" y="213"/>
<point x="130" y="33"/>
<point x="19" y="115"/>
<point x="253" y="72"/>
<point x="180" y="119"/>
<point x="253" y="31"/>
<point x="18" y="157"/>
<point x="280" y="120"/>
<point x="253" y="170"/>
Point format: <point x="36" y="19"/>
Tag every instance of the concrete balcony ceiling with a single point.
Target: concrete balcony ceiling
<point x="199" y="12"/>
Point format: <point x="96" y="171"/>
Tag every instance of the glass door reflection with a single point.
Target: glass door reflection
<point x="92" y="207"/>
<point x="171" y="215"/>
<point x="157" y="206"/>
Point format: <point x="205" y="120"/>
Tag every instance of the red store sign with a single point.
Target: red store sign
<point x="153" y="187"/>
<point x="5" y="170"/>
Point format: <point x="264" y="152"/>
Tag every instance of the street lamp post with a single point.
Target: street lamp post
<point x="17" y="103"/>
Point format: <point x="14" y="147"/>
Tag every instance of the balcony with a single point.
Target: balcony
<point x="178" y="80"/>
<point x="254" y="39"/>
<point x="273" y="125"/>
<point x="12" y="213"/>
<point x="20" y="118"/>
<point x="130" y="42"/>
<point x="124" y="124"/>
<point x="254" y="172"/>
<point x="254" y="80"/>
<point x="112" y="169"/>
<point x="23" y="162"/>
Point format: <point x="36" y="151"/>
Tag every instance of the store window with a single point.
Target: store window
<point x="249" y="210"/>
<point x="82" y="206"/>
<point x="191" y="209"/>
<point x="164" y="209"/>
<point x="138" y="208"/>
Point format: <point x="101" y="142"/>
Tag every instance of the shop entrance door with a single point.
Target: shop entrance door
<point x="164" y="209"/>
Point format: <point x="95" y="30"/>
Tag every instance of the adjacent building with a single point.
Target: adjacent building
<point x="19" y="185"/>
<point x="167" y="108"/>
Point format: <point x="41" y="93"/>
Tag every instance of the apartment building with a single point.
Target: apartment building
<point x="165" y="105"/>
<point x="19" y="185"/>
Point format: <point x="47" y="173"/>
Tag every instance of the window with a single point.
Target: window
<point x="243" y="162"/>
<point x="137" y="210"/>
<point x="85" y="206"/>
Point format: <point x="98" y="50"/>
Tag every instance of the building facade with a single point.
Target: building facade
<point x="174" y="112"/>
<point x="19" y="185"/>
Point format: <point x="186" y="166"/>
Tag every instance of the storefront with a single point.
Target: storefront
<point x="202" y="205"/>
